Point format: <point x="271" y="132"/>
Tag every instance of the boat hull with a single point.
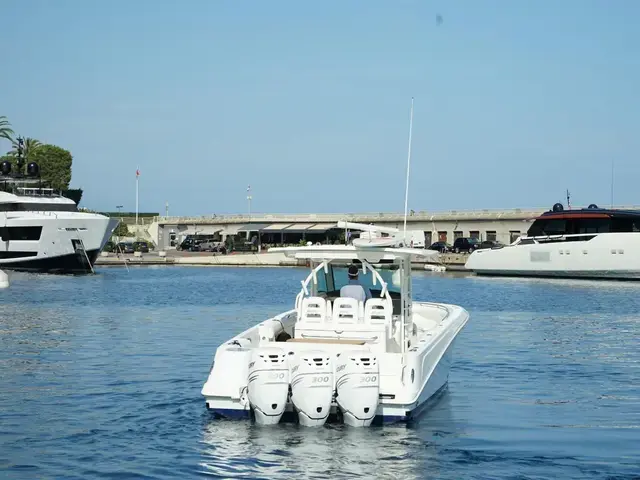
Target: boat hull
<point x="606" y="256"/>
<point x="68" y="242"/>
<point x="386" y="414"/>
<point x="406" y="388"/>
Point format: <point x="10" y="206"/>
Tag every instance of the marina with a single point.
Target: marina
<point x="335" y="294"/>
<point x="102" y="376"/>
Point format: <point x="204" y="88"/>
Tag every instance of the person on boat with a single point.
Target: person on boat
<point x="354" y="289"/>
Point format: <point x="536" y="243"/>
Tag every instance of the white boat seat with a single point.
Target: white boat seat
<point x="313" y="310"/>
<point x="346" y="311"/>
<point x="378" y="311"/>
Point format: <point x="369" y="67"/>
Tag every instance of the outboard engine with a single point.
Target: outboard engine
<point x="357" y="387"/>
<point x="268" y="384"/>
<point x="311" y="386"/>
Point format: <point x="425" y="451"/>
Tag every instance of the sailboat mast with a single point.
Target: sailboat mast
<point x="406" y="193"/>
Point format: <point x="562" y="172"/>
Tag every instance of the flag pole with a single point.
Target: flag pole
<point x="137" y="178"/>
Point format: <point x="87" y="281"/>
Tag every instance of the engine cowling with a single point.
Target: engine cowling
<point x="268" y="384"/>
<point x="311" y="386"/>
<point x="357" y="387"/>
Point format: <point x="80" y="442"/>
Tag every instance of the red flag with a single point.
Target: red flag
<point x="137" y="172"/>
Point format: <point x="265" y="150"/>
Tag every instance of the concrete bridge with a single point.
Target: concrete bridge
<point x="503" y="225"/>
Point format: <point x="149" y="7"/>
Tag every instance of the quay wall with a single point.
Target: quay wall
<point x="450" y="261"/>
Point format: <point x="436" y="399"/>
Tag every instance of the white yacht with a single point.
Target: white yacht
<point x="584" y="243"/>
<point x="336" y="358"/>
<point x="42" y="231"/>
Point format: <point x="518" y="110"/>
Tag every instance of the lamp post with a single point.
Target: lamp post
<point x="249" y="198"/>
<point x="119" y="208"/>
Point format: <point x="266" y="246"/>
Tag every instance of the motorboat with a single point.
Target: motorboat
<point x="43" y="231"/>
<point x="336" y="358"/>
<point x="590" y="242"/>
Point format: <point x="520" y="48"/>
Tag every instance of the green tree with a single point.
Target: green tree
<point x="55" y="165"/>
<point x="74" y="194"/>
<point x="28" y="150"/>
<point x="5" y="128"/>
<point x="122" y="230"/>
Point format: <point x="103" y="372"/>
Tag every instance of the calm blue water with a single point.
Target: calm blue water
<point x="100" y="377"/>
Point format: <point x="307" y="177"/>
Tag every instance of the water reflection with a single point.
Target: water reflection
<point x="242" y="449"/>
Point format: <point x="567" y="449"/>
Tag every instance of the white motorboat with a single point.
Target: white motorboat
<point x="334" y="357"/>
<point x="43" y="231"/>
<point x="581" y="243"/>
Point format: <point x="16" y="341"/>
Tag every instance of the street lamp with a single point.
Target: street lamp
<point x="249" y="198"/>
<point x="119" y="208"/>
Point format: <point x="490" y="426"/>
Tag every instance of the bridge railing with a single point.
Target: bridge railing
<point x="483" y="214"/>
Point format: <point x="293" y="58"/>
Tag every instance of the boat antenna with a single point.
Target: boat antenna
<point x="612" y="162"/>
<point x="406" y="193"/>
<point x="568" y="199"/>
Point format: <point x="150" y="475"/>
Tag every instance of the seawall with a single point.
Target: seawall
<point x="450" y="261"/>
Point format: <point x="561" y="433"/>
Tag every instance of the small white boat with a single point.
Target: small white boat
<point x="334" y="357"/>
<point x="435" y="268"/>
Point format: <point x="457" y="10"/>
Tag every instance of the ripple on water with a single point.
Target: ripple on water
<point x="101" y="378"/>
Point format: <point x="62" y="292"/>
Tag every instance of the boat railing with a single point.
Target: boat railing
<point x="558" y="237"/>
<point x="37" y="192"/>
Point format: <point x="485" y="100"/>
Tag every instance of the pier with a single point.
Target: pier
<point x="451" y="261"/>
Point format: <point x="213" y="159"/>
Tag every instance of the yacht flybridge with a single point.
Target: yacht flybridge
<point x="336" y="357"/>
<point x="590" y="242"/>
<point x="42" y="231"/>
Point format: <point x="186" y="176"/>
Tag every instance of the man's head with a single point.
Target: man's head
<point x="353" y="272"/>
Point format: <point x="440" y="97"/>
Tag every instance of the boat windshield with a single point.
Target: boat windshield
<point x="337" y="278"/>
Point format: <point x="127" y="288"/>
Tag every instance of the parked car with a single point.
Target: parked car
<point x="491" y="244"/>
<point x="125" y="247"/>
<point x="109" y="246"/>
<point x="191" y="245"/>
<point x="141" y="247"/>
<point x="212" y="246"/>
<point x="465" y="244"/>
<point x="442" y="247"/>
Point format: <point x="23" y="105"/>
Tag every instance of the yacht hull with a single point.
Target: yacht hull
<point x="613" y="256"/>
<point x="63" y="242"/>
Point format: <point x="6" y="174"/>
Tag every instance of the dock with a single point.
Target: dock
<point x="452" y="262"/>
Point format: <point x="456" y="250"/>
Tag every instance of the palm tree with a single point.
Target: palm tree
<point x="5" y="128"/>
<point x="30" y="145"/>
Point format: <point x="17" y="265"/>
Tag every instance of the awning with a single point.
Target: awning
<point x="298" y="227"/>
<point x="276" y="227"/>
<point x="253" y="227"/>
<point x="205" y="230"/>
<point x="231" y="230"/>
<point x="322" y="227"/>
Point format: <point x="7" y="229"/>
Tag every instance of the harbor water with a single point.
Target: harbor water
<point x="100" y="377"/>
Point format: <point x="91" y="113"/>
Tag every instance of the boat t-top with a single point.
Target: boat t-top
<point x="334" y="357"/>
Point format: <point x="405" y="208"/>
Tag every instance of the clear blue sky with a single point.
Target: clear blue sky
<point x="308" y="102"/>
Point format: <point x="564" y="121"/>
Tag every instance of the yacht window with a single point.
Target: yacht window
<point x="625" y="225"/>
<point x="38" y="207"/>
<point x="554" y="227"/>
<point x="592" y="225"/>
<point x="20" y="233"/>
